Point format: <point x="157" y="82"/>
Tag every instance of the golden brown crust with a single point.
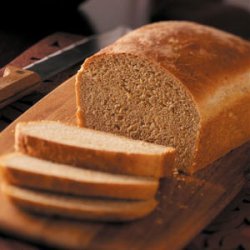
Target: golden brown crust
<point x="197" y="55"/>
<point x="228" y="129"/>
<point x="150" y="165"/>
<point x="214" y="69"/>
<point x="79" y="111"/>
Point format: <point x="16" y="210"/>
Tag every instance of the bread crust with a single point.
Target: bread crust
<point x="212" y="66"/>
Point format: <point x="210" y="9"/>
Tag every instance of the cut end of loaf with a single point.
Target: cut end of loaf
<point x="131" y="96"/>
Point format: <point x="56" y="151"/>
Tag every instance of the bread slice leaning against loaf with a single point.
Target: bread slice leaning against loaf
<point x="92" y="149"/>
<point x="172" y="83"/>
<point x="78" y="208"/>
<point x="30" y="172"/>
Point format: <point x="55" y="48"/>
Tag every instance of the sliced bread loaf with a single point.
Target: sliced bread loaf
<point x="26" y="171"/>
<point x="69" y="207"/>
<point x="92" y="149"/>
<point x="173" y="83"/>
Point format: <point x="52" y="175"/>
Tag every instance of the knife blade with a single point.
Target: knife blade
<point x="17" y="82"/>
<point x="75" y="53"/>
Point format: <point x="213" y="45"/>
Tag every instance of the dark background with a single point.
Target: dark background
<point x="23" y="23"/>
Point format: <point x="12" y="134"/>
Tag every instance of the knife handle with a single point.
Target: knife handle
<point x="16" y="83"/>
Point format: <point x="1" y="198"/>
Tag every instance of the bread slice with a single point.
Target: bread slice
<point x="92" y="149"/>
<point x="78" y="208"/>
<point x="26" y="171"/>
<point x="172" y="83"/>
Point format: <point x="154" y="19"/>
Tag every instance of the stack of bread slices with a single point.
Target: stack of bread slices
<point x="81" y="173"/>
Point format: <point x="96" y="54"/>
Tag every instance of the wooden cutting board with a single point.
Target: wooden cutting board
<point x="187" y="204"/>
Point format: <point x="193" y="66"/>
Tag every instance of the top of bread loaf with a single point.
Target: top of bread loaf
<point x="180" y="47"/>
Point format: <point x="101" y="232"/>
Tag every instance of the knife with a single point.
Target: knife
<point x="17" y="82"/>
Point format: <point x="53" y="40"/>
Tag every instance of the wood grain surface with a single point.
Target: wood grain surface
<point x="187" y="204"/>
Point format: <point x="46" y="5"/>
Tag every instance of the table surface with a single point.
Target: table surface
<point x="230" y="230"/>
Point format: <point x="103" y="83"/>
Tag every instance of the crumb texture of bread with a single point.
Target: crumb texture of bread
<point x="172" y="83"/>
<point x="91" y="149"/>
<point x="29" y="172"/>
<point x="71" y="207"/>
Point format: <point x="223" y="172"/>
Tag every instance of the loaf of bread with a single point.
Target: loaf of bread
<point x="77" y="208"/>
<point x="86" y="148"/>
<point x="29" y="172"/>
<point x="171" y="83"/>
